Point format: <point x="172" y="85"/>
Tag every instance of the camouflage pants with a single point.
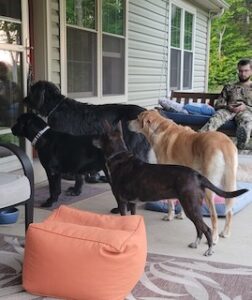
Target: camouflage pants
<point x="242" y="119"/>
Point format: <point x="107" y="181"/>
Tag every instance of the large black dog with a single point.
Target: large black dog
<point x="70" y="116"/>
<point x="133" y="180"/>
<point x="59" y="152"/>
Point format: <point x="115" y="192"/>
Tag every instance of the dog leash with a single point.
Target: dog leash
<point x="39" y="134"/>
<point x="53" y="110"/>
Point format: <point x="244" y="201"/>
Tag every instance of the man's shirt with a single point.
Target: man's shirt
<point x="235" y="93"/>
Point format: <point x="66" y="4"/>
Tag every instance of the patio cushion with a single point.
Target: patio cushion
<point x="13" y="189"/>
<point x="239" y="203"/>
<point x="82" y="255"/>
<point x="189" y="119"/>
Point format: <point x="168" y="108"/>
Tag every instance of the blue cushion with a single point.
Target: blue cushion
<point x="199" y="109"/>
<point x="240" y="203"/>
<point x="181" y="118"/>
<point x="199" y="120"/>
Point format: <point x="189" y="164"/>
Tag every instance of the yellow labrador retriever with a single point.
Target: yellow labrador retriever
<point x="212" y="154"/>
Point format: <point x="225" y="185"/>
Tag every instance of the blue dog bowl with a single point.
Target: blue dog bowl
<point x="9" y="215"/>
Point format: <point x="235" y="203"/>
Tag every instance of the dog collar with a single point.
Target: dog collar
<point x="53" y="110"/>
<point x="115" y="154"/>
<point x="39" y="134"/>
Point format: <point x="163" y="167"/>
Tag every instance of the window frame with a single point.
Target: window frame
<point x="185" y="7"/>
<point x="9" y="163"/>
<point x="100" y="98"/>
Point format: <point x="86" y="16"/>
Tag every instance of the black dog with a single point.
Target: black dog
<point x="70" y="116"/>
<point x="134" y="180"/>
<point x="59" y="152"/>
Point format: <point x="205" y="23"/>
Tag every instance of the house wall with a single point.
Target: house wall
<point x="147" y="49"/>
<point x="39" y="33"/>
<point x="54" y="41"/>
<point x="147" y="52"/>
<point x="201" y="51"/>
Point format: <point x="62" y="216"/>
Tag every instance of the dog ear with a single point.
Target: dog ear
<point x="42" y="98"/>
<point x="107" y="126"/>
<point x="97" y="143"/>
<point x="145" y="122"/>
<point x="119" y="126"/>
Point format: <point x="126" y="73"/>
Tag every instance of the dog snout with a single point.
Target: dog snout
<point x="26" y="100"/>
<point x="16" y="130"/>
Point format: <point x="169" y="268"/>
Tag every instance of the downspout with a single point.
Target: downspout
<point x="212" y="16"/>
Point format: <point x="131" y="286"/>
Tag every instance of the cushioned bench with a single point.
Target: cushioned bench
<point x="197" y="121"/>
<point x="192" y="120"/>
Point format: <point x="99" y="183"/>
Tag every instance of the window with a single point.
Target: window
<point x="12" y="32"/>
<point x="113" y="47"/>
<point x="181" y="49"/>
<point x="95" y="32"/>
<point x="81" y="48"/>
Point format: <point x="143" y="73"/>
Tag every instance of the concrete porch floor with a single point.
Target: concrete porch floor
<point x="172" y="238"/>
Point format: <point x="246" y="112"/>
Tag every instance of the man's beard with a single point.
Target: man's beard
<point x="244" y="79"/>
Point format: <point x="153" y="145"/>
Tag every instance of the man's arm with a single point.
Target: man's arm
<point x="222" y="101"/>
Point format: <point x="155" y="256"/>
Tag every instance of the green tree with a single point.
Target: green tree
<point x="231" y="39"/>
<point x="81" y="13"/>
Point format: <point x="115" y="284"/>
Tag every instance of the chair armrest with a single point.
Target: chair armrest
<point x="24" y="160"/>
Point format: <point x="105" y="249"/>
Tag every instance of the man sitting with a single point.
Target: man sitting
<point x="235" y="102"/>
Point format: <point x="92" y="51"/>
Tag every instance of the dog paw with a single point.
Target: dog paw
<point x="168" y="218"/>
<point x="209" y="252"/>
<point x="215" y="240"/>
<point x="193" y="245"/>
<point x="223" y="234"/>
<point x="115" y="210"/>
<point x="72" y="192"/>
<point x="180" y="216"/>
<point x="47" y="204"/>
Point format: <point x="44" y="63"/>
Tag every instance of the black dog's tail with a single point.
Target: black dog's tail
<point x="207" y="184"/>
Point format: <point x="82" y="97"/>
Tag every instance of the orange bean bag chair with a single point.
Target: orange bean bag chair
<point x="82" y="255"/>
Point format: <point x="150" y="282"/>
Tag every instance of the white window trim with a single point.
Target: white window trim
<point x="99" y="99"/>
<point x="191" y="9"/>
<point x="63" y="45"/>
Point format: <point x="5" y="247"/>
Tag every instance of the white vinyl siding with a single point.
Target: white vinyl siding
<point x="54" y="42"/>
<point x="147" y="62"/>
<point x="147" y="55"/>
<point x="200" y="58"/>
<point x="147" y="22"/>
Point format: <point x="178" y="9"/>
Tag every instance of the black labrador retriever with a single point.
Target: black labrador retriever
<point x="59" y="152"/>
<point x="70" y="116"/>
<point x="133" y="180"/>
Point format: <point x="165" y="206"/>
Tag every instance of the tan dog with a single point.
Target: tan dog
<point x="213" y="154"/>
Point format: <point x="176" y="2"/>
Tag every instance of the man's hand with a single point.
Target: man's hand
<point x="236" y="108"/>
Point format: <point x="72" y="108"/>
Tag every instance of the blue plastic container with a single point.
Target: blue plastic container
<point x="9" y="215"/>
